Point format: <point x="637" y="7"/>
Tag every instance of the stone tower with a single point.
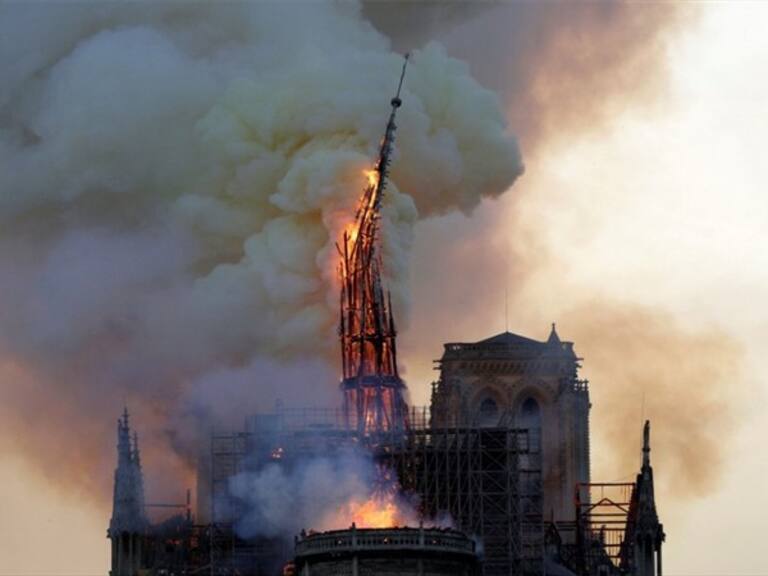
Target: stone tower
<point x="128" y="525"/>
<point x="511" y="380"/>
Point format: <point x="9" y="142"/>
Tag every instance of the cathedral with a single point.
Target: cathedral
<point x="503" y="452"/>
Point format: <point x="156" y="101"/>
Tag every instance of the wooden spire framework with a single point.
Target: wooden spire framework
<point x="374" y="401"/>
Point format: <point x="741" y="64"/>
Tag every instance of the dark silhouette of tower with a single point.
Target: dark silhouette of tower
<point x="646" y="533"/>
<point x="372" y="388"/>
<point x="128" y="525"/>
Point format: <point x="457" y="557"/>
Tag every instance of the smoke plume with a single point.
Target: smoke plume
<point x="560" y="67"/>
<point x="173" y="178"/>
<point x="320" y="493"/>
<point x="645" y="365"/>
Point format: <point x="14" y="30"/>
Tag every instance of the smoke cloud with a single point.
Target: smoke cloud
<point x="320" y="493"/>
<point x="173" y="178"/>
<point x="646" y="365"/>
<point x="559" y="67"/>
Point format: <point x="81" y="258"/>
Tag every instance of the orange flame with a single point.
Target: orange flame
<point x="383" y="509"/>
<point x="376" y="513"/>
<point x="373" y="178"/>
<point x="351" y="229"/>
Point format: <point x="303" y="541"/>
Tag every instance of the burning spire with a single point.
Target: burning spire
<point x="373" y="390"/>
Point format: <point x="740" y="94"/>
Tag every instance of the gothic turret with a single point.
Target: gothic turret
<point x="554" y="339"/>
<point x="128" y="525"/>
<point x="646" y="530"/>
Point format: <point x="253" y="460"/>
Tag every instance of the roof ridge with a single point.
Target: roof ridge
<point x="508" y="337"/>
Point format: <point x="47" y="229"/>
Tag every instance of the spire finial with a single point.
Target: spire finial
<point x="396" y="102"/>
<point x="553" y="337"/>
<point x="647" y="444"/>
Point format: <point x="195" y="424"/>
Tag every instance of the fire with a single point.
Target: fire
<point x="385" y="507"/>
<point x="376" y="513"/>
<point x="373" y="178"/>
<point x="352" y="228"/>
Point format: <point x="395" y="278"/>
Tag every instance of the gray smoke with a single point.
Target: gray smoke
<point x="320" y="493"/>
<point x="173" y="177"/>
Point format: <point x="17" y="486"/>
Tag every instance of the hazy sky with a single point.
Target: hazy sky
<point x="660" y="208"/>
<point x="656" y="208"/>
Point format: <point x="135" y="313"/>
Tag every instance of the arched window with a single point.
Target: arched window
<point x="489" y="412"/>
<point x="530" y="419"/>
<point x="530" y="414"/>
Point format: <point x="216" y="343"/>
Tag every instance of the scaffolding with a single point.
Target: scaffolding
<point x="286" y="435"/>
<point x="602" y="524"/>
<point x="228" y="452"/>
<point x="486" y="480"/>
<point x="228" y="553"/>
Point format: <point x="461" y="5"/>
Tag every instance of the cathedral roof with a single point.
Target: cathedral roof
<point x="509" y="338"/>
<point x="509" y="345"/>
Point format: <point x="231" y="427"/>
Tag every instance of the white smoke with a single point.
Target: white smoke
<point x="173" y="178"/>
<point x="318" y="493"/>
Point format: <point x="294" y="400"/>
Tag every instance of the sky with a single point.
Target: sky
<point x="638" y="228"/>
<point x="660" y="209"/>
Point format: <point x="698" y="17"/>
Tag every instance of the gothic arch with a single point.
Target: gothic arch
<point x="538" y="391"/>
<point x="530" y="408"/>
<point x="488" y="405"/>
<point x="529" y="413"/>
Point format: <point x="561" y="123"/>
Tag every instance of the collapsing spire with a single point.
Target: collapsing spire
<point x="373" y="390"/>
<point x="128" y="515"/>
